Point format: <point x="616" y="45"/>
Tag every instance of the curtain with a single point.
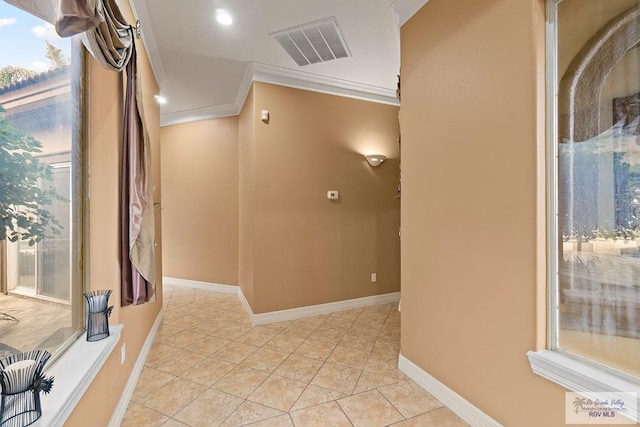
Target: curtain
<point x="136" y="204"/>
<point x="110" y="39"/>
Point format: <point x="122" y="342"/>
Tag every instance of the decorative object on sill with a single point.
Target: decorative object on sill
<point x="375" y="159"/>
<point x="98" y="316"/>
<point x="22" y="380"/>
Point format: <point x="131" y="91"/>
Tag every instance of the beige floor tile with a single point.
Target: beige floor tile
<point x="209" y="371"/>
<point x="442" y="417"/>
<point x="235" y="352"/>
<point x="184" y="339"/>
<point x="369" y="409"/>
<point x="209" y="326"/>
<point x="241" y="381"/>
<point x="265" y="359"/>
<point x="351" y="314"/>
<point x="165" y="331"/>
<point x="301" y="331"/>
<point x="340" y="323"/>
<point x="278" y="392"/>
<point x="314" y="395"/>
<point x="150" y="380"/>
<point x="326" y="414"/>
<point x="281" y="421"/>
<point x="314" y="350"/>
<point x="351" y="357"/>
<point x="284" y="343"/>
<point x="231" y="332"/>
<point x="383" y="365"/>
<point x="273" y="328"/>
<point x="299" y="368"/>
<point x="138" y="415"/>
<point x="208" y="345"/>
<point x="255" y="338"/>
<point x="173" y="396"/>
<point x="172" y="423"/>
<point x="409" y="398"/>
<point x="327" y="335"/>
<point x="179" y="362"/>
<point x="250" y="412"/>
<point x="386" y="348"/>
<point x="207" y="340"/>
<point x="365" y="329"/>
<point x="359" y="342"/>
<point x="335" y="377"/>
<point x="159" y="352"/>
<point x="211" y="408"/>
<point x="369" y="381"/>
<point x="185" y="322"/>
<point x="311" y="321"/>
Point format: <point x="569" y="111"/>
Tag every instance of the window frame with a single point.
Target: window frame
<point x="571" y="371"/>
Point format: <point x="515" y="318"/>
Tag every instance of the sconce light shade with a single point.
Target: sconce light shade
<point x="375" y="159"/>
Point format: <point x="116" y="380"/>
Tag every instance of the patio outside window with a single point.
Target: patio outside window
<point x="40" y="277"/>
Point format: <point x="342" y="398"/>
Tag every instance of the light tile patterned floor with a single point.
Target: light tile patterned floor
<point x="210" y="367"/>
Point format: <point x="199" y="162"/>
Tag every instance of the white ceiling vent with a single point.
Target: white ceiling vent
<point x="317" y="41"/>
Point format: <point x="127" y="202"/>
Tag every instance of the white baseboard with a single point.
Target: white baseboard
<point x="284" y="315"/>
<point x="315" y="310"/>
<point x="245" y="305"/>
<point x="127" y="393"/>
<point x="207" y="286"/>
<point x="458" y="404"/>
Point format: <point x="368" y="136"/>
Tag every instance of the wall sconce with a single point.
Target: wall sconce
<point x="375" y="159"/>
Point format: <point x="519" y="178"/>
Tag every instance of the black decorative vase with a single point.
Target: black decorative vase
<point x="98" y="314"/>
<point x="22" y="380"/>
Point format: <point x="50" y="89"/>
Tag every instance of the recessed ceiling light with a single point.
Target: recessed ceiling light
<point x="161" y="99"/>
<point x="223" y="17"/>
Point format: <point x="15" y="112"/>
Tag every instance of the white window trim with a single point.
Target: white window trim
<point x="74" y="372"/>
<point x="582" y="376"/>
<point x="573" y="373"/>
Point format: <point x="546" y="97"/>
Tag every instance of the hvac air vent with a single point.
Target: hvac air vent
<point x="318" y="41"/>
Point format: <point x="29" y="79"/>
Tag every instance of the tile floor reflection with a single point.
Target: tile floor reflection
<point x="209" y="367"/>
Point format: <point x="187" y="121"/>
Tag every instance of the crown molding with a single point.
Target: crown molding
<point x="316" y="83"/>
<point x="197" y="114"/>
<point x="407" y="8"/>
<point x="257" y="72"/>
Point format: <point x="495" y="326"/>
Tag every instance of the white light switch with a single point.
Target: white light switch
<point x="333" y="195"/>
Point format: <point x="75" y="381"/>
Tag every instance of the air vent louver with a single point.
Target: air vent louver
<point x="318" y="41"/>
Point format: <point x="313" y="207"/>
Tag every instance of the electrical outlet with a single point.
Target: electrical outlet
<point x="123" y="354"/>
<point x="374" y="277"/>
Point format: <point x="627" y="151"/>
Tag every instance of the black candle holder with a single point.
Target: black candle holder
<point x="98" y="314"/>
<point x="22" y="380"/>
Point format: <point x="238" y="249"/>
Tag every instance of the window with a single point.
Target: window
<point x="40" y="184"/>
<point x="597" y="142"/>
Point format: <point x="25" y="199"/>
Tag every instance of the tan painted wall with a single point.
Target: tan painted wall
<point x="472" y="123"/>
<point x="309" y="250"/>
<point x="105" y="121"/>
<point x="200" y="205"/>
<point x="246" y="187"/>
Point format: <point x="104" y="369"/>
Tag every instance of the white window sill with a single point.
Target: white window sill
<point x="74" y="372"/>
<point x="581" y="377"/>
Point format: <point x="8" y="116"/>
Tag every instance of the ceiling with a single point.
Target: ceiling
<point x="205" y="69"/>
